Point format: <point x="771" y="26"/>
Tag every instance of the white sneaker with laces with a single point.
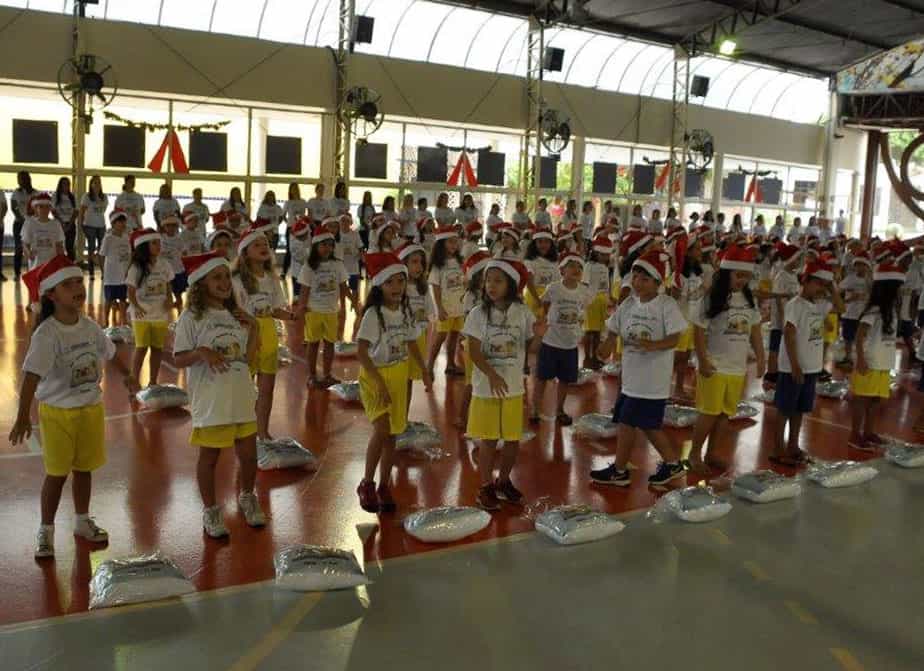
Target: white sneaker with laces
<point x="88" y="529"/>
<point x="214" y="523"/>
<point x="45" y="542"/>
<point x="251" y="509"/>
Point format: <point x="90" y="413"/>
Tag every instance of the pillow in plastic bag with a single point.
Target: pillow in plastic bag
<point x="119" y="334"/>
<point x="612" y="369"/>
<point x="418" y="435"/>
<point x="690" y="504"/>
<point x="840" y="473"/>
<point x="906" y="455"/>
<point x="586" y="376"/>
<point x="283" y="453"/>
<point x="765" y="487"/>
<point x="745" y="411"/>
<point x="160" y="396"/>
<point x="346" y="391"/>
<point x="345" y="349"/>
<point x="314" y="568"/>
<point x="765" y="396"/>
<point x="833" y="389"/>
<point x="571" y="525"/>
<point x="446" y="523"/>
<point x="680" y="416"/>
<point x="280" y="327"/>
<point x="284" y="355"/>
<point x="118" y="582"/>
<point x="597" y="425"/>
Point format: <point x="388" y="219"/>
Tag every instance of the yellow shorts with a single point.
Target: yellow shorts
<point x="496" y="418"/>
<point x="73" y="439"/>
<point x="268" y="353"/>
<point x="531" y="303"/>
<point x="831" y="328"/>
<point x="321" y="326"/>
<point x="396" y="377"/>
<point x="413" y="370"/>
<point x="451" y="325"/>
<point x="469" y="366"/>
<point x="149" y="334"/>
<point x="596" y="314"/>
<point x="875" y="383"/>
<point x="223" y="435"/>
<point x="765" y="285"/>
<point x="719" y="394"/>
<point x="685" y="344"/>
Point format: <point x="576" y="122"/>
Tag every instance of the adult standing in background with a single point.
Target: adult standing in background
<point x="340" y="203"/>
<point x="443" y="214"/>
<point x="317" y="206"/>
<point x="587" y="220"/>
<point x="92" y="218"/>
<point x="840" y="224"/>
<point x="131" y="203"/>
<point x="3" y="208"/>
<point x="63" y="208"/>
<point x="759" y="228"/>
<point x="778" y="231"/>
<point x="719" y="227"/>
<point x="236" y="211"/>
<point x="466" y="213"/>
<point x="165" y="205"/>
<point x="20" y="206"/>
<point x="294" y="208"/>
<point x="200" y="209"/>
<point x="364" y="214"/>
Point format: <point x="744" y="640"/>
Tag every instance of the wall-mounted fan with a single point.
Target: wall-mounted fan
<point x="92" y="76"/>
<point x="700" y="149"/>
<point x="362" y="110"/>
<point x="554" y="131"/>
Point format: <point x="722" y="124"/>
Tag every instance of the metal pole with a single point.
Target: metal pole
<point x="530" y="166"/>
<point x="869" y="184"/>
<point x="679" y="142"/>
<point x="343" y="133"/>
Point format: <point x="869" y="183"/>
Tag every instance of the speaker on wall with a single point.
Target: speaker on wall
<point x="548" y="172"/>
<point x="371" y="160"/>
<point x="693" y="184"/>
<point x="699" y="88"/>
<point x="492" y="168"/>
<point x="770" y="190"/>
<point x="643" y="178"/>
<point x="553" y="59"/>
<point x="733" y="186"/>
<point x="605" y="177"/>
<point x="432" y="164"/>
<point x="363" y="30"/>
<point x="208" y="151"/>
<point x="123" y="146"/>
<point x="283" y="155"/>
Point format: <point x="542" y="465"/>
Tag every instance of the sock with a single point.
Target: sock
<point x="47" y="527"/>
<point x="81" y="517"/>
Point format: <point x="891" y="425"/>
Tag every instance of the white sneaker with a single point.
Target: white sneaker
<point x="87" y="528"/>
<point x="45" y="542"/>
<point x="251" y="509"/>
<point x="214" y="523"/>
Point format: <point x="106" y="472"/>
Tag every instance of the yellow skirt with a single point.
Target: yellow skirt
<point x="596" y="313"/>
<point x="874" y="383"/>
<point x="535" y="307"/>
<point x="685" y="344"/>
<point x="222" y="436"/>
<point x="719" y="394"/>
<point x="831" y="328"/>
<point x="396" y="377"/>
<point x="73" y="439"/>
<point x="268" y="352"/>
<point x="414" y="371"/>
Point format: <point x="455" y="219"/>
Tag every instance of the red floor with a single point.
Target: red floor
<point x="146" y="495"/>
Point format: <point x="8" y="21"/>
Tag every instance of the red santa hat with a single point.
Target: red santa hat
<point x="263" y="225"/>
<point x="301" y="226"/>
<point x="321" y="234"/>
<point x="508" y="229"/>
<point x="633" y="241"/>
<point x="189" y="218"/>
<point x="40" y="198"/>
<point x="198" y="266"/>
<point x="446" y="232"/>
<point x="881" y="252"/>
<point x="50" y="274"/>
<point x="785" y="251"/>
<point x="862" y="257"/>
<point x="513" y="269"/>
<point x="543" y="234"/>
<point x="333" y="222"/>
<point x="569" y="257"/>
<point x="117" y="214"/>
<point x="378" y="220"/>
<point x="603" y="245"/>
<point x="170" y="219"/>
<point x="218" y="232"/>
<point x="654" y="263"/>
<point x="888" y="271"/>
<point x="142" y="236"/>
<point x="737" y="258"/>
<point x="248" y="237"/>
<point x="705" y="236"/>
<point x="382" y="265"/>
<point x="423" y="221"/>
<point x="819" y="270"/>
<point x="474" y="263"/>
<point x="473" y="228"/>
<point x="406" y="250"/>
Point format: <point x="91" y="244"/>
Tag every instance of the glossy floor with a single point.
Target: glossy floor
<point x="146" y="495"/>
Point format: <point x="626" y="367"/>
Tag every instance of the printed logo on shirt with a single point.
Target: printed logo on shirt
<point x="327" y="283"/>
<point x="568" y="316"/>
<point x="228" y="345"/>
<point x="501" y="345"/>
<point x="85" y="369"/>
<point x="453" y="280"/>
<point x="816" y="328"/>
<point x="260" y="305"/>
<point x="738" y="324"/>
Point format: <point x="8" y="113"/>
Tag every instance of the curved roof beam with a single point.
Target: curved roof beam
<point x="317" y="37"/>
<point x="468" y="52"/>
<point x="500" y="59"/>
<point x="314" y="6"/>
<point x="781" y="96"/>
<point x="391" y="45"/>
<point x="735" y="88"/>
<point x="767" y="85"/>
<point x="621" y="44"/>
<point x="262" y="14"/>
<point x="670" y="61"/>
<point x="211" y="17"/>
<point x="576" y="54"/>
<point x="438" y="29"/>
<point x="629" y="65"/>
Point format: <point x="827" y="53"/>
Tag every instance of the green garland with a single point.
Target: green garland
<point x="151" y="127"/>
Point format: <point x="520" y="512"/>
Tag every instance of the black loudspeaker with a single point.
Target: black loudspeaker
<point x="700" y="86"/>
<point x="364" y="26"/>
<point x="554" y="57"/>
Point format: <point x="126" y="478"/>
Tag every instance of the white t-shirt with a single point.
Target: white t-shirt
<point x="389" y="345"/>
<point x="268" y="296"/>
<point x="519" y="219"/>
<point x="777" y="231"/>
<point x="64" y="210"/>
<point x="317" y="208"/>
<point x="691" y="293"/>
<point x="192" y="241"/>
<point x="879" y="347"/>
<point x="656" y="226"/>
<point x="469" y="248"/>
<point x="566" y="314"/>
<point x="422" y="306"/>
<point x="911" y="286"/>
<point x="504" y="338"/>
<point x="408" y="220"/>
<point x="337" y="207"/>
<point x="217" y="399"/>
<point x="728" y="335"/>
<point x="202" y="212"/>
<point x="42" y="238"/>
<point x="272" y="213"/>
<point x="117" y="252"/>
<point x="444" y="216"/>
<point x="133" y="204"/>
<point x="597" y="277"/>
<point x="587" y="225"/>
<point x="544" y="272"/>
<point x="784" y="282"/>
<point x="452" y="285"/>
<point x="324" y="284"/>
<point x="293" y="209"/>
<point x="758" y="229"/>
<point x="465" y="217"/>
<point x="154" y="292"/>
<point x="165" y="206"/>
<point x="68" y="359"/>
<point x="171" y="248"/>
<point x="809" y="320"/>
<point x="95" y="214"/>
<point x="299" y="250"/>
<point x="860" y="288"/>
<point x="491" y="223"/>
<point x="795" y="233"/>
<point x="646" y="374"/>
<point x="350" y="247"/>
<point x="543" y="219"/>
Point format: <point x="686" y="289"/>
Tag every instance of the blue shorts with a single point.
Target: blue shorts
<point x="353" y="283"/>
<point x="640" y="413"/>
<point x="905" y="328"/>
<point x="555" y="362"/>
<point x="115" y="292"/>
<point x="179" y="284"/>
<point x="792" y="398"/>
<point x="921" y="318"/>
<point x="849" y="329"/>
<point x="776" y="337"/>
<point x="295" y="287"/>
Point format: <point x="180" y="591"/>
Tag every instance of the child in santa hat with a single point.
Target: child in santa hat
<point x="150" y="299"/>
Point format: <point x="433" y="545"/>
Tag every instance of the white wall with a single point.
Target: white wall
<point x="220" y="66"/>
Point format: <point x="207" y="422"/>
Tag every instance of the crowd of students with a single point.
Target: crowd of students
<point x="505" y="300"/>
